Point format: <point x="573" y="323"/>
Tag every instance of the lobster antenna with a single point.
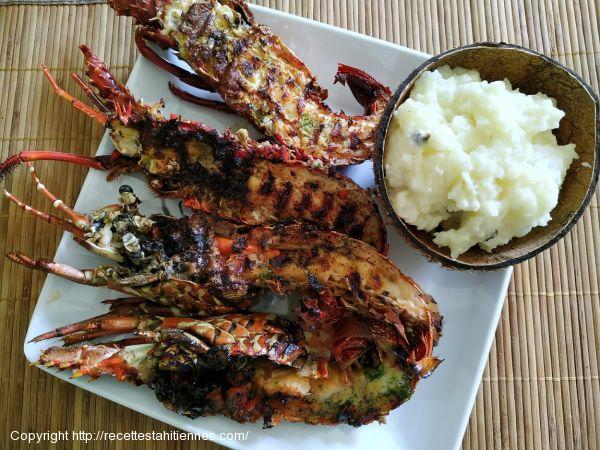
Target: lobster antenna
<point x="13" y="161"/>
<point x="79" y="220"/>
<point x="67" y="226"/>
<point x="61" y="270"/>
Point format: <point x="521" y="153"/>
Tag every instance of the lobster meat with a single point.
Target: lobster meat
<point x="225" y="174"/>
<point x="258" y="77"/>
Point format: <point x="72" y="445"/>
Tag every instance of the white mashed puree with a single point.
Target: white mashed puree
<point x="477" y="157"/>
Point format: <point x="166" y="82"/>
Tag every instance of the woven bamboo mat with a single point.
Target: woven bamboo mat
<point x="540" y="388"/>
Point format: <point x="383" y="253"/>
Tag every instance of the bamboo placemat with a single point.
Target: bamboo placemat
<point x="540" y="388"/>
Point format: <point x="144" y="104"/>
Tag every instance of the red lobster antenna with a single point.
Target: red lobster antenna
<point x="79" y="222"/>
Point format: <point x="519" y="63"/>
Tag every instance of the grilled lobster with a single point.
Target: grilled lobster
<point x="225" y="174"/>
<point x="209" y="266"/>
<point x="364" y="332"/>
<point x="258" y="77"/>
<point x="363" y="341"/>
<point x="242" y="366"/>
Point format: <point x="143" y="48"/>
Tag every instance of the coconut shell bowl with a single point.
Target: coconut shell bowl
<point x="531" y="72"/>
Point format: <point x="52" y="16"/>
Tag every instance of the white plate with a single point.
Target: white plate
<point x="436" y="416"/>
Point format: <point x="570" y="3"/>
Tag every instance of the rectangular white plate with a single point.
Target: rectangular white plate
<point x="436" y="416"/>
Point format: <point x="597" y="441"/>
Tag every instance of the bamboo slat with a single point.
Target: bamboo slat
<point x="541" y="387"/>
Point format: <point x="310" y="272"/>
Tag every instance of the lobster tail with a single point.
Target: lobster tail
<point x="370" y="93"/>
<point x="143" y="11"/>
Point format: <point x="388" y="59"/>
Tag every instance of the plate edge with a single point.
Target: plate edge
<point x="485" y="355"/>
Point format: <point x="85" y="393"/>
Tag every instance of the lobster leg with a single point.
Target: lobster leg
<point x="85" y="276"/>
<point x="81" y="331"/>
<point x="143" y="306"/>
<point x="88" y="91"/>
<point x="189" y="97"/>
<point x="184" y="294"/>
<point x="218" y="330"/>
<point x="103" y="276"/>
<point x="183" y="75"/>
<point x="124" y="316"/>
<point x="228" y="332"/>
<point x="187" y="77"/>
<point x="112" y="162"/>
<point x="129" y="306"/>
<point x="133" y="302"/>
<point x="78" y="104"/>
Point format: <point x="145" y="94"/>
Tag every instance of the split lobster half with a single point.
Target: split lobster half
<point x="244" y="366"/>
<point x="226" y="174"/>
<point x="258" y="77"/>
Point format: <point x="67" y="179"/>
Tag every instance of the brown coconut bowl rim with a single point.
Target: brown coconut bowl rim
<point x="406" y="231"/>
